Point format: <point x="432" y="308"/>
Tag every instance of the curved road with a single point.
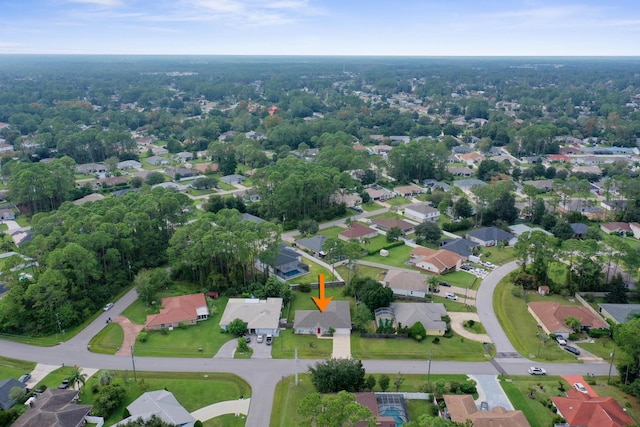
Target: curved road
<point x="263" y="374"/>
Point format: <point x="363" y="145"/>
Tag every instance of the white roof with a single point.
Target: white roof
<point x="259" y="314"/>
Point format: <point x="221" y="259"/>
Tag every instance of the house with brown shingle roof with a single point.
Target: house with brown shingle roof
<point x="551" y="316"/>
<point x="616" y="227"/>
<point x="379" y="193"/>
<point x="55" y="408"/>
<point x="462" y="408"/>
<point x="184" y="309"/>
<point x="206" y="168"/>
<point x="409" y="190"/>
<point x="440" y="262"/>
<point x="357" y="231"/>
<point x="579" y="409"/>
<point x="471" y="158"/>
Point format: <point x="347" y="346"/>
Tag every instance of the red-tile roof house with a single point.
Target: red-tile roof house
<point x="559" y="158"/>
<point x="461" y="408"/>
<point x="579" y="409"/>
<point x="185" y="309"/>
<point x="551" y="316"/>
<point x="439" y="262"/>
<point x="358" y="231"/>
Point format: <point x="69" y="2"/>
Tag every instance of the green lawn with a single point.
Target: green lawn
<point x="398" y="256"/>
<point x="228" y="420"/>
<point x="398" y="201"/>
<point x="454" y="348"/>
<point x="602" y="347"/>
<point x="518" y="390"/>
<point x="194" y="192"/>
<point x="23" y="220"/>
<point x="303" y="301"/>
<point x="462" y="279"/>
<point x="456" y="306"/>
<point x="360" y="270"/>
<point x="12" y="368"/>
<point x="331" y="231"/>
<point x="108" y="340"/>
<point x="309" y="346"/>
<point x="187" y="342"/>
<point x="314" y="270"/>
<point x="476" y="328"/>
<point x="193" y="390"/>
<point x="387" y="215"/>
<point x="371" y="206"/>
<point x="137" y="312"/>
<point x="520" y="326"/>
<point x="498" y="256"/>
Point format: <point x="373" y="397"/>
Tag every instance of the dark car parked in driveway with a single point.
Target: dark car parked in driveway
<point x="571" y="349"/>
<point x="64" y="384"/>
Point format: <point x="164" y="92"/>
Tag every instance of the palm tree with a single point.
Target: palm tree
<point x="106" y="376"/>
<point x="77" y="377"/>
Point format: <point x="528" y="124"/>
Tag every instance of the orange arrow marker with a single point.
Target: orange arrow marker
<point x="321" y="302"/>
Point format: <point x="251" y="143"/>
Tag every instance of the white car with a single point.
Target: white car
<point x="260" y="338"/>
<point x="561" y="341"/>
<point x="451" y="296"/>
<point x="581" y="388"/>
<point x="534" y="370"/>
<point x="108" y="306"/>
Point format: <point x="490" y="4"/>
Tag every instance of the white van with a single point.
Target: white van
<point x="451" y="296"/>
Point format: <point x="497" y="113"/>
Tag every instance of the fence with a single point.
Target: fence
<point x="384" y="335"/>
<point x="295" y="286"/>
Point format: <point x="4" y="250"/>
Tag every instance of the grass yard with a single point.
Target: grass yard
<point x="398" y="201"/>
<point x="332" y="231"/>
<point x="13" y="368"/>
<point x="309" y="347"/>
<point x="228" y="420"/>
<point x="462" y="279"/>
<point x="454" y="348"/>
<point x="288" y="396"/>
<point x="360" y="270"/>
<point x="602" y="347"/>
<point x="108" y="340"/>
<point x="455" y="306"/>
<point x="187" y="342"/>
<point x="498" y="256"/>
<point x="398" y="256"/>
<point x="476" y="328"/>
<point x="314" y="270"/>
<point x="194" y="192"/>
<point x="225" y="187"/>
<point x="387" y="215"/>
<point x="303" y="301"/>
<point x="193" y="390"/>
<point x="520" y="326"/>
<point x="518" y="389"/>
<point x="23" y="220"/>
<point x="371" y="206"/>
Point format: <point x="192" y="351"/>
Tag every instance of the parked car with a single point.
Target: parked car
<point x="571" y="349"/>
<point x="484" y="406"/>
<point x="269" y="339"/>
<point x="108" y="306"/>
<point x="64" y="384"/>
<point x="465" y="267"/>
<point x="581" y="388"/>
<point x="260" y="338"/>
<point x="534" y="370"/>
<point x="451" y="296"/>
<point x="24" y="378"/>
<point x="447" y="284"/>
<point x="561" y="340"/>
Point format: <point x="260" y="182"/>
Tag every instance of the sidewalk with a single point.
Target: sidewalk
<point x="240" y="406"/>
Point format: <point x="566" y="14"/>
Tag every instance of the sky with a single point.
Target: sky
<point x="322" y="27"/>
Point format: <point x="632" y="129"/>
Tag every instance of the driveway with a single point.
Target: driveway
<point x="572" y="379"/>
<point x="457" y="321"/>
<point x="237" y="407"/>
<point x="490" y="391"/>
<point x="341" y="346"/>
<point x="131" y="331"/>
<point x="260" y="350"/>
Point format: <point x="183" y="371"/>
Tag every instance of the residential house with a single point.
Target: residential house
<point x="179" y="173"/>
<point x="227" y="136"/>
<point x="379" y="194"/>
<point x="551" y="317"/>
<point x="288" y="264"/>
<point x="461" y="149"/>
<point x="619" y="313"/>
<point x="350" y="200"/>
<point x="206" y="168"/>
<point x="111" y="182"/>
<point x="635" y="228"/>
<point x="519" y="229"/>
<point x="439" y="262"/>
<point x="7" y="214"/>
<point x="88" y="198"/>
<point x="172" y="186"/>
<point x="89" y="168"/>
<point x="54" y="408"/>
<point x="471" y="158"/>
<point x="400" y="138"/>
<point x="467" y="184"/>
<point x="5" y="389"/>
<point x="422" y="212"/>
<point x="370" y="401"/>
<point x="387" y="224"/>
<point x="490" y="236"/>
<point x="579" y="230"/>
<point x="559" y="158"/>
<point x="429" y="314"/>
<point x="129" y="164"/>
<point x="591" y="170"/>
<point x="233" y="179"/>
<point x="616" y="228"/>
<point x="161" y="403"/>
<point x="261" y="316"/>
<point x="158" y="151"/>
<point x="462" y="247"/>
<point x="460" y="171"/>
<point x="614" y="205"/>
<point x="461" y="407"/>
<point x="357" y="232"/>
<point x="433" y="184"/>
<point x="545" y="185"/>
<point x="381" y="150"/>
<point x="313" y="244"/>
<point x="406" y="283"/>
<point x="184" y="156"/>
<point x="409" y="190"/>
<point x="157" y="161"/>
<point x="248" y="217"/>
<point x="180" y="310"/>
<point x="6" y="148"/>
<point x="582" y="410"/>
<point x="256" y="136"/>
<point x="585" y="207"/>
<point x="336" y="316"/>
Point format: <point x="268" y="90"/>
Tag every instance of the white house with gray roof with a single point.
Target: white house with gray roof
<point x="262" y="316"/>
<point x="406" y="283"/>
<point x="422" y="212"/>
<point x="161" y="403"/>
<point x="490" y="236"/>
<point x="619" y="313"/>
<point x="315" y="322"/>
<point x="410" y="313"/>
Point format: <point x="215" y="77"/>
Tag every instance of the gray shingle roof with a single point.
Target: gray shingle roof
<point x="337" y="315"/>
<point x="490" y="233"/>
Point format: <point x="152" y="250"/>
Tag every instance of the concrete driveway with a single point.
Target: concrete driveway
<point x="457" y="321"/>
<point x="341" y="346"/>
<point x="490" y="391"/>
<point x="260" y="350"/>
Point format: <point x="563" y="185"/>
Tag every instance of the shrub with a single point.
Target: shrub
<point x="198" y="423"/>
<point x="164" y="331"/>
<point x="468" y="387"/>
<point x="448" y="333"/>
<point x="108" y="399"/>
<point x="599" y="333"/>
<point x="305" y="288"/>
<point x="418" y="332"/>
<point x="142" y="337"/>
<point x="95" y="388"/>
<point x="436" y="340"/>
<point x="516" y="292"/>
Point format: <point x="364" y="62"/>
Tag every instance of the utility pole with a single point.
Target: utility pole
<point x="429" y="370"/>
<point x="296" y="362"/>
<point x="59" y="324"/>
<point x="133" y="362"/>
<point x="611" y="365"/>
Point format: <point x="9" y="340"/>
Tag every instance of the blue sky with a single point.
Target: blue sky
<point x="322" y="27"/>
